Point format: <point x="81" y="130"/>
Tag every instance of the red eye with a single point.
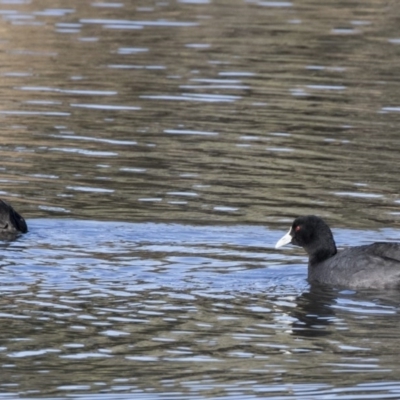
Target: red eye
<point x="298" y="227"/>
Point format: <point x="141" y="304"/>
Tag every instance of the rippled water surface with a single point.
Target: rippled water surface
<point x="177" y="311"/>
<point x="158" y="150"/>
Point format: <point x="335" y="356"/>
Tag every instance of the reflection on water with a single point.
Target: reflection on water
<point x="278" y="109"/>
<point x="178" y="310"/>
<point x="187" y="125"/>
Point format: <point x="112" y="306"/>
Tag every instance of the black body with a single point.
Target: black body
<point x="11" y="223"/>
<point x="371" y="266"/>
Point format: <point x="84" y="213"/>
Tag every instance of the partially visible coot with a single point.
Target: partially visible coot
<point x="11" y="223"/>
<point x="375" y="265"/>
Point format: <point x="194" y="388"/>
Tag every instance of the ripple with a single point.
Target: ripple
<point x="225" y="209"/>
<point x="213" y="87"/>
<point x="114" y="333"/>
<point x="190" y="194"/>
<point x="54" y="209"/>
<point x="280" y="149"/>
<point x="32" y="353"/>
<point x="85" y="152"/>
<point x="127" y="23"/>
<point x="390" y="109"/>
<point x="357" y="194"/>
<point x="45" y="113"/>
<point x="198" y="45"/>
<point x="132" y="50"/>
<point x="327" y="87"/>
<point x="345" y="31"/>
<point x="150" y="199"/>
<point x="88" y="92"/>
<point x="131" y="66"/>
<point x="82" y="356"/>
<point x="107" y="5"/>
<point x="106" y="107"/>
<point x="95" y="139"/>
<point x="137" y="170"/>
<point x="189" y="132"/>
<point x="90" y="189"/>
<point x="194" y="1"/>
<point x="299" y="92"/>
<point x="209" y="98"/>
<point x="54" y="12"/>
<point x="236" y="73"/>
<point x="123" y="26"/>
<point x="275" y="3"/>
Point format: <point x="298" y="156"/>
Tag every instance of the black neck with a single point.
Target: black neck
<point x="320" y="255"/>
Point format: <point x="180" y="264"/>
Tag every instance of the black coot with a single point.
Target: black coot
<point x="375" y="265"/>
<point x="11" y="223"/>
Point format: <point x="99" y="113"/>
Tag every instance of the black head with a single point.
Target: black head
<point x="314" y="235"/>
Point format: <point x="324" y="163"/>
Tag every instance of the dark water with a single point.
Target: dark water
<point x="158" y="150"/>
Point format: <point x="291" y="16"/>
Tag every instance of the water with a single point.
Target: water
<point x="158" y="150"/>
<point x="97" y="309"/>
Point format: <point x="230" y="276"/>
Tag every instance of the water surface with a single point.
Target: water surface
<point x="179" y="311"/>
<point x="159" y="149"/>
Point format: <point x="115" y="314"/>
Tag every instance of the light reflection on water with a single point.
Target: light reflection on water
<point x="179" y="310"/>
<point x="199" y="129"/>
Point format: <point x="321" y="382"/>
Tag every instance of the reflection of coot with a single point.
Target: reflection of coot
<point x="11" y="223"/>
<point x="372" y="266"/>
<point x="314" y="312"/>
